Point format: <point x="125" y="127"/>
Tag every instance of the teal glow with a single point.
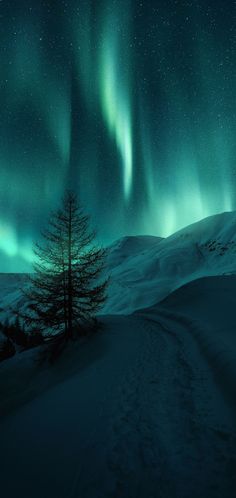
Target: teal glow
<point x="199" y="157"/>
<point x="114" y="91"/>
<point x="105" y="76"/>
<point x="133" y="104"/>
<point x="12" y="247"/>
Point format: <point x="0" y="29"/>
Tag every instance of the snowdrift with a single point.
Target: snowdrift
<point x="207" y="309"/>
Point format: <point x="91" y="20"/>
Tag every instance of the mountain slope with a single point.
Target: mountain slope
<point x="142" y="277"/>
<point x="146" y="269"/>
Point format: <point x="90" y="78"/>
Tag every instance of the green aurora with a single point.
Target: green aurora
<point x="133" y="104"/>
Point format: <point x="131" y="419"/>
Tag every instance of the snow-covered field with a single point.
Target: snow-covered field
<point x="146" y="408"/>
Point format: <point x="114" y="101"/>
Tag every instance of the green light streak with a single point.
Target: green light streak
<point x="11" y="246"/>
<point x="115" y="103"/>
<point x="103" y="64"/>
<point x="200" y="147"/>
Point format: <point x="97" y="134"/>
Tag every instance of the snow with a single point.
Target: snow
<point x="207" y="306"/>
<point x="146" y="407"/>
<point x="139" y="412"/>
<point x="156" y="267"/>
<point x="146" y="269"/>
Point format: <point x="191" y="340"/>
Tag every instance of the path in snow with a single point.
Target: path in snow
<point x="147" y="419"/>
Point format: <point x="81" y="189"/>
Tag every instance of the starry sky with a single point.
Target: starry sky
<point x="130" y="103"/>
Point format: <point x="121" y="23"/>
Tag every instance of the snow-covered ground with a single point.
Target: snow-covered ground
<point x="138" y="411"/>
<point x="146" y="408"/>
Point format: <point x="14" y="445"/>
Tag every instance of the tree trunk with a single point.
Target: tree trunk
<point x="70" y="303"/>
<point x="64" y="296"/>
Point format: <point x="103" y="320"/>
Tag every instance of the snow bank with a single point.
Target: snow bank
<point x="207" y="307"/>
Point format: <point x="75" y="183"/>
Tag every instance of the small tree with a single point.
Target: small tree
<point x="66" y="289"/>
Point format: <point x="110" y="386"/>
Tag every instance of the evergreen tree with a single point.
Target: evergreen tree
<point x="66" y="289"/>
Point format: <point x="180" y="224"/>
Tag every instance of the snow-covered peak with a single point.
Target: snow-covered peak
<point x="219" y="226"/>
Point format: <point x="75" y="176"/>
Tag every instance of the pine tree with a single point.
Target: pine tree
<point x="66" y="290"/>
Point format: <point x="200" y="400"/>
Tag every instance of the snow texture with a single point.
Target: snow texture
<point x="145" y="408"/>
<point x="146" y="269"/>
<point x="150" y="272"/>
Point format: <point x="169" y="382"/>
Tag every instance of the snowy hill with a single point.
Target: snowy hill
<point x="146" y="269"/>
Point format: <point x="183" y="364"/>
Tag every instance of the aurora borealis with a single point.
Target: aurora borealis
<point x="131" y="103"/>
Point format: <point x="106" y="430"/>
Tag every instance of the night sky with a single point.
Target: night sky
<point x="131" y="103"/>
